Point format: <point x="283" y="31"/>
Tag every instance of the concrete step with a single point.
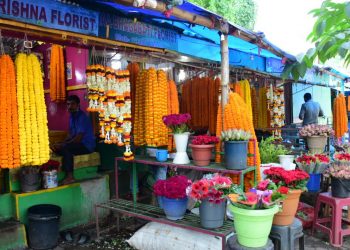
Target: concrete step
<point x="12" y="235"/>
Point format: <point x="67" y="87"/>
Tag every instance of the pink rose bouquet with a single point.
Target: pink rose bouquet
<point x="316" y="130"/>
<point x="177" y="122"/>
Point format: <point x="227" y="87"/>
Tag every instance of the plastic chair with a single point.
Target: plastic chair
<point x="335" y="230"/>
<point x="284" y="237"/>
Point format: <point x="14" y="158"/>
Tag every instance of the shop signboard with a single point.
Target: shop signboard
<point x="51" y="14"/>
<point x="133" y="31"/>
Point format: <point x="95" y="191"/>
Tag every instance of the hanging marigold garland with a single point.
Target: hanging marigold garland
<point x="9" y="151"/>
<point x="32" y="116"/>
<point x="57" y="74"/>
<point x="109" y="94"/>
<point x="340" y="117"/>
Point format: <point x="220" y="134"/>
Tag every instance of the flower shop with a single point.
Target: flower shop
<point x="156" y="101"/>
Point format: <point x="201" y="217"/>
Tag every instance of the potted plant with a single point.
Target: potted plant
<point x="211" y="192"/>
<point x="202" y="148"/>
<point x="253" y="212"/>
<point x="339" y="172"/>
<point x="316" y="136"/>
<point x="49" y="174"/>
<point x="236" y="148"/>
<point x="173" y="195"/>
<point x="270" y="151"/>
<point x="296" y="181"/>
<point x="178" y="124"/>
<point x="29" y="178"/>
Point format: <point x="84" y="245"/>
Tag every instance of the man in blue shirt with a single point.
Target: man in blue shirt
<point x="81" y="139"/>
<point x="310" y="111"/>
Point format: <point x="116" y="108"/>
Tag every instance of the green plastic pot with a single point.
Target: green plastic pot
<point x="253" y="226"/>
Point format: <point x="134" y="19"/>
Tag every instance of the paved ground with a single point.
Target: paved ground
<point x="114" y="240"/>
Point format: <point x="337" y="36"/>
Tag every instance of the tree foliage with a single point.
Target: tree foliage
<point x="241" y="12"/>
<point x="331" y="36"/>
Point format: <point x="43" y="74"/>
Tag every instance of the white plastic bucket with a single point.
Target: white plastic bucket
<point x="287" y="161"/>
<point x="50" y="179"/>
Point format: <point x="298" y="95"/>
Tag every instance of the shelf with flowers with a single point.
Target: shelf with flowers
<point x="314" y="165"/>
<point x="254" y="211"/>
<point x="339" y="172"/>
<point x="295" y="181"/>
<point x="316" y="136"/>
<point x="173" y="197"/>
<point x="211" y="191"/>
<point x="202" y="149"/>
<point x="178" y="123"/>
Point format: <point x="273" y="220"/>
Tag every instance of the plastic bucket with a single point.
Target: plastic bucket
<point x="174" y="209"/>
<point x="29" y="181"/>
<point x="43" y="226"/>
<point x="314" y="183"/>
<point x="287" y="161"/>
<point x="212" y="214"/>
<point x="340" y="188"/>
<point x="50" y="179"/>
<point x="236" y="153"/>
<point x="253" y="226"/>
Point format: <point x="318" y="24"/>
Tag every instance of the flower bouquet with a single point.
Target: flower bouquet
<point x="339" y="171"/>
<point x="178" y="124"/>
<point x="253" y="212"/>
<point x="211" y="191"/>
<point x="202" y="147"/>
<point x="173" y="195"/>
<point x="236" y="148"/>
<point x="316" y="136"/>
<point x="322" y="162"/>
<point x="316" y="130"/>
<point x="296" y="181"/>
<point x="306" y="163"/>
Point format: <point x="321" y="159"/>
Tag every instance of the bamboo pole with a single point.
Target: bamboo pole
<point x="225" y="73"/>
<point x="177" y="12"/>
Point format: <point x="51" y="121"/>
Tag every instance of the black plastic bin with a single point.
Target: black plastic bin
<point x="43" y="226"/>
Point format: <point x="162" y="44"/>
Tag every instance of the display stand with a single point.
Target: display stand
<point x="153" y="213"/>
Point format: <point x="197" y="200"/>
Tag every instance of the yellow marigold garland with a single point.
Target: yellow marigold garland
<point x="34" y="142"/>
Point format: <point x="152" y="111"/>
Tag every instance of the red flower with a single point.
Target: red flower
<point x="204" y="140"/>
<point x="172" y="188"/>
<point x="283" y="190"/>
<point x="263" y="185"/>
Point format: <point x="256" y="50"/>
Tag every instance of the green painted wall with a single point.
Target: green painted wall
<point x="76" y="201"/>
<point x="7" y="206"/>
<point x="12" y="236"/>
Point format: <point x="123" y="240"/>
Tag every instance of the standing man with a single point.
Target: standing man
<point x="81" y="139"/>
<point x="310" y="111"/>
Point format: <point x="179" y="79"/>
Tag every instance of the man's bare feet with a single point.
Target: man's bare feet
<point x="68" y="180"/>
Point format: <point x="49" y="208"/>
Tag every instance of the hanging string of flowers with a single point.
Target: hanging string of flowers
<point x="9" y="151"/>
<point x="32" y="116"/>
<point x="340" y="118"/>
<point x="109" y="94"/>
<point x="57" y="74"/>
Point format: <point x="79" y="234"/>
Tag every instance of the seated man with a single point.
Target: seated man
<point x="80" y="140"/>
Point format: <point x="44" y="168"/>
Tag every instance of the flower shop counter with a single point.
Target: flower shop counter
<point x="154" y="213"/>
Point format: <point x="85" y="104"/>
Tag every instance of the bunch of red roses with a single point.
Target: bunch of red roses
<point x="177" y="122"/>
<point x="204" y="140"/>
<point x="344" y="157"/>
<point x="51" y="165"/>
<point x="173" y="187"/>
<point x="294" y="179"/>
<point x="306" y="159"/>
<point x="213" y="188"/>
<point x="322" y="158"/>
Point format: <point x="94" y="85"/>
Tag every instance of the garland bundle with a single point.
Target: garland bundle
<point x="134" y="70"/>
<point x="254" y="107"/>
<point x="200" y="99"/>
<point x="275" y="99"/>
<point x="264" y="114"/>
<point x="173" y="108"/>
<point x="340" y="117"/>
<point x="151" y="105"/>
<point x="109" y="94"/>
<point x="32" y="116"/>
<point x="10" y="150"/>
<point x="57" y="74"/>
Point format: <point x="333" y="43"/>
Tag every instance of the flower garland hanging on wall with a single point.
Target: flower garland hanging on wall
<point x="57" y="74"/>
<point x="109" y="94"/>
<point x="9" y="137"/>
<point x="32" y="115"/>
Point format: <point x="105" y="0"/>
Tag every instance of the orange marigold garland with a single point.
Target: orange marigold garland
<point x="9" y="151"/>
<point x="57" y="74"/>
